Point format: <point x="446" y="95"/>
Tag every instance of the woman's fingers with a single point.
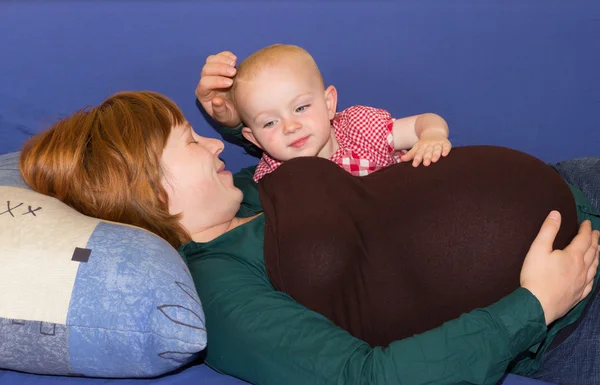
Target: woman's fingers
<point x="218" y="69"/>
<point x="209" y="84"/>
<point x="545" y="238"/>
<point x="224" y="57"/>
<point x="591" y="273"/>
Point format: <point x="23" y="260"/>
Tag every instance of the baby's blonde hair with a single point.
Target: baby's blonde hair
<point x="273" y="55"/>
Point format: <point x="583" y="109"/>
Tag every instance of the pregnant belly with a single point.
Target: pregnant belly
<point x="405" y="249"/>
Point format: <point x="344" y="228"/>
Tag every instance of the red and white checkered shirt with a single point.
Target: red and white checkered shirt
<point x="366" y="142"/>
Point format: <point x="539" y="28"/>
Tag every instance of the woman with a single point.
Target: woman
<point x="172" y="182"/>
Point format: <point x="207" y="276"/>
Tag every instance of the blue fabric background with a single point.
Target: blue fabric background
<point x="518" y="73"/>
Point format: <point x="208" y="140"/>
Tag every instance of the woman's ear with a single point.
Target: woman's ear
<point x="331" y="100"/>
<point x="247" y="132"/>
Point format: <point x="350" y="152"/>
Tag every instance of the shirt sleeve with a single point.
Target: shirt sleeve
<point x="369" y="128"/>
<point x="263" y="336"/>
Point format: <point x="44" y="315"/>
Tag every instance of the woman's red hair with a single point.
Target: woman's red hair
<point x="105" y="162"/>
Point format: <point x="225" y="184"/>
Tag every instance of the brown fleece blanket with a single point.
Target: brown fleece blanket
<point x="404" y="249"/>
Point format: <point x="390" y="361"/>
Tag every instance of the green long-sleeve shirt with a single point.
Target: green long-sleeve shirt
<point x="263" y="336"/>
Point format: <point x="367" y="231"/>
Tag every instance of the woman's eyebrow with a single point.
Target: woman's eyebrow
<point x="188" y="129"/>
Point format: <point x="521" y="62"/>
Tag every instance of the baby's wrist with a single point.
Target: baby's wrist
<point x="433" y="132"/>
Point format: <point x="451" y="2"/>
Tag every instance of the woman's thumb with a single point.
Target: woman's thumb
<point x="547" y="234"/>
<point x="220" y="109"/>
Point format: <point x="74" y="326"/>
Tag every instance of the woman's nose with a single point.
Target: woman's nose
<point x="215" y="145"/>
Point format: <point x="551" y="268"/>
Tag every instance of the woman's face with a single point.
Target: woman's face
<point x="196" y="181"/>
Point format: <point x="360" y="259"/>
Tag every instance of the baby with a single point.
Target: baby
<point x="280" y="96"/>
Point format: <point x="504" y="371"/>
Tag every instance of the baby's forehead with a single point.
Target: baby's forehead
<point x="294" y="64"/>
<point x="276" y="74"/>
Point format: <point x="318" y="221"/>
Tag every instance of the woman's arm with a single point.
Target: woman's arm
<point x="265" y="337"/>
<point x="214" y="94"/>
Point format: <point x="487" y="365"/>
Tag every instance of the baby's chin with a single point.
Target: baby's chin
<point x="304" y="154"/>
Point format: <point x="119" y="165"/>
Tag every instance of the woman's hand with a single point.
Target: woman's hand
<point x="214" y="88"/>
<point x="560" y="279"/>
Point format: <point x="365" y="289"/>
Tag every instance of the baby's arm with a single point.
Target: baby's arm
<point x="426" y="135"/>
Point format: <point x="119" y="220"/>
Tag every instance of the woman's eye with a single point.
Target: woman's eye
<point x="302" y="108"/>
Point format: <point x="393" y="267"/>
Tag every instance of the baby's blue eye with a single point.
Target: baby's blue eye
<point x="269" y="124"/>
<point x="302" y="108"/>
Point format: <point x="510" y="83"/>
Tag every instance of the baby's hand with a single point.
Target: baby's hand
<point x="428" y="150"/>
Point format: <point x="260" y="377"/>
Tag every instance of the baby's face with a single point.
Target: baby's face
<point x="287" y="111"/>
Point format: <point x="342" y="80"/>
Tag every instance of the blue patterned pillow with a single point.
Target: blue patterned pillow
<point x="81" y="296"/>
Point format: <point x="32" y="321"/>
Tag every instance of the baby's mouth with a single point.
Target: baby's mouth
<point x="300" y="142"/>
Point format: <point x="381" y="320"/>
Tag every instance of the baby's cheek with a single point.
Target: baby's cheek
<point x="320" y="123"/>
<point x="273" y="143"/>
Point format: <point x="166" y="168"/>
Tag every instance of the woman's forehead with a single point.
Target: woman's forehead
<point x="179" y="133"/>
<point x="181" y="130"/>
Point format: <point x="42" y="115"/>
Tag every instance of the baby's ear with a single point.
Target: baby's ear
<point x="331" y="101"/>
<point x="247" y="132"/>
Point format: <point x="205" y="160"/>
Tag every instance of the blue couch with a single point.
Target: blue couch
<point x="518" y="74"/>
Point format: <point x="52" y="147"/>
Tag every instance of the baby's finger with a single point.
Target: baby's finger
<point x="418" y="158"/>
<point x="446" y="148"/>
<point x="428" y="153"/>
<point x="437" y="152"/>
<point x="408" y="155"/>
